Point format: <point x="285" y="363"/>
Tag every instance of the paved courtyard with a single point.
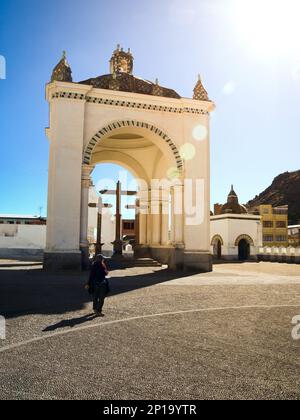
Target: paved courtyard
<point x="225" y="334"/>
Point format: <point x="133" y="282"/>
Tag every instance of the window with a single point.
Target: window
<point x="280" y="211"/>
<point x="268" y="238"/>
<point x="281" y="238"/>
<point x="281" y="224"/>
<point x="268" y="224"/>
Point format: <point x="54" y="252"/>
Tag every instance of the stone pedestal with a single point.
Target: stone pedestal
<point x="60" y="261"/>
<point x="197" y="262"/>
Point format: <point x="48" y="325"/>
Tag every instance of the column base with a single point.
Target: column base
<point x="197" y="261"/>
<point x="85" y="257"/>
<point x="168" y="255"/>
<point x="142" y="251"/>
<point x="177" y="258"/>
<point x="60" y="261"/>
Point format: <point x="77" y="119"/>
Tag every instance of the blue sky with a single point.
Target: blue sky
<point x="248" y="57"/>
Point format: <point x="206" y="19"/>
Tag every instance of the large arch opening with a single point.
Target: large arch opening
<point x="133" y="134"/>
<point x="154" y="163"/>
<point x="105" y="177"/>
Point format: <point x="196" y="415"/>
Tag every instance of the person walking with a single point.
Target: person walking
<point x="98" y="284"/>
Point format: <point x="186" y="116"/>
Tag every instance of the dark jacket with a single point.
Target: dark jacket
<point x="97" y="275"/>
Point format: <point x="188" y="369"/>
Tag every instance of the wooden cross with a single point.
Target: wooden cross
<point x="100" y="206"/>
<point x="118" y="243"/>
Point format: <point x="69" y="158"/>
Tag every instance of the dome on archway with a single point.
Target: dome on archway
<point x="233" y="206"/>
<point x="121" y="78"/>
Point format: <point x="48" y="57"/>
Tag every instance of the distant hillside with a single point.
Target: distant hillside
<point x="285" y="189"/>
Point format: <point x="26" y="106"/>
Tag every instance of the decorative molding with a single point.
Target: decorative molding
<point x="129" y="104"/>
<point x="246" y="237"/>
<point x="130" y="123"/>
<point x="144" y="106"/>
<point x="217" y="238"/>
<point x="69" y="95"/>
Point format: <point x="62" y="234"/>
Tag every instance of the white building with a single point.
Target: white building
<point x="235" y="234"/>
<point x="151" y="131"/>
<point x="22" y="236"/>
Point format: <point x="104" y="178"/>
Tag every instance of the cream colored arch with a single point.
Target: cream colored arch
<point x="217" y="238"/>
<point x="246" y="237"/>
<point x="161" y="139"/>
<point x="122" y="159"/>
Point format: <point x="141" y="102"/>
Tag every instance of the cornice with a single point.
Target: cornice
<point x="93" y="96"/>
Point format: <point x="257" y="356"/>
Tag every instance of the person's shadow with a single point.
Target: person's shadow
<point x="70" y="323"/>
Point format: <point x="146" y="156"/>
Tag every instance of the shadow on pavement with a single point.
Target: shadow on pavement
<point x="70" y="323"/>
<point x="32" y="291"/>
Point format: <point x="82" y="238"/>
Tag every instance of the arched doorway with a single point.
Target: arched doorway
<point x="218" y="249"/>
<point x="244" y="250"/>
<point x="244" y="244"/>
<point x="217" y="243"/>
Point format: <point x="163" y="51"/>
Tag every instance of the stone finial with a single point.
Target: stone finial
<point x="232" y="192"/>
<point x="200" y="94"/>
<point x="121" y="61"/>
<point x="156" y="89"/>
<point x="62" y="72"/>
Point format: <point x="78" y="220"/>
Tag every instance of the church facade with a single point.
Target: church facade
<point x="160" y="137"/>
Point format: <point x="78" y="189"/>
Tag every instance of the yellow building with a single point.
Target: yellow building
<point x="275" y="225"/>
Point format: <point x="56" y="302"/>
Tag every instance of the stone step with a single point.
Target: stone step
<point x="130" y="263"/>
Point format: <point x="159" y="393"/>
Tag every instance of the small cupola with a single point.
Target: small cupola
<point x="62" y="72"/>
<point x="233" y="206"/>
<point x="121" y="61"/>
<point x="200" y="93"/>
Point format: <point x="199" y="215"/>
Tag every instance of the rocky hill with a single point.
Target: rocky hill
<point x="285" y="189"/>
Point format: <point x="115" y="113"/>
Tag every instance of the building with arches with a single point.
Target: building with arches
<point x="235" y="234"/>
<point x="150" y="130"/>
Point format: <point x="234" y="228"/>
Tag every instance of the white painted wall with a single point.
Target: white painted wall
<point x="108" y="230"/>
<point x="108" y="223"/>
<point x="22" y="236"/>
<point x="230" y="227"/>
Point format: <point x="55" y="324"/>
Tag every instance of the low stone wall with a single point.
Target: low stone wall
<point x="22" y="254"/>
<point x="22" y="242"/>
<point x="288" y="255"/>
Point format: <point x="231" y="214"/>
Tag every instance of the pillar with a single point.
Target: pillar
<point x="165" y="210"/>
<point x="65" y="135"/>
<point x="85" y="189"/>
<point x="143" y="215"/>
<point x="142" y="248"/>
<point x="177" y="215"/>
<point x="156" y="217"/>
